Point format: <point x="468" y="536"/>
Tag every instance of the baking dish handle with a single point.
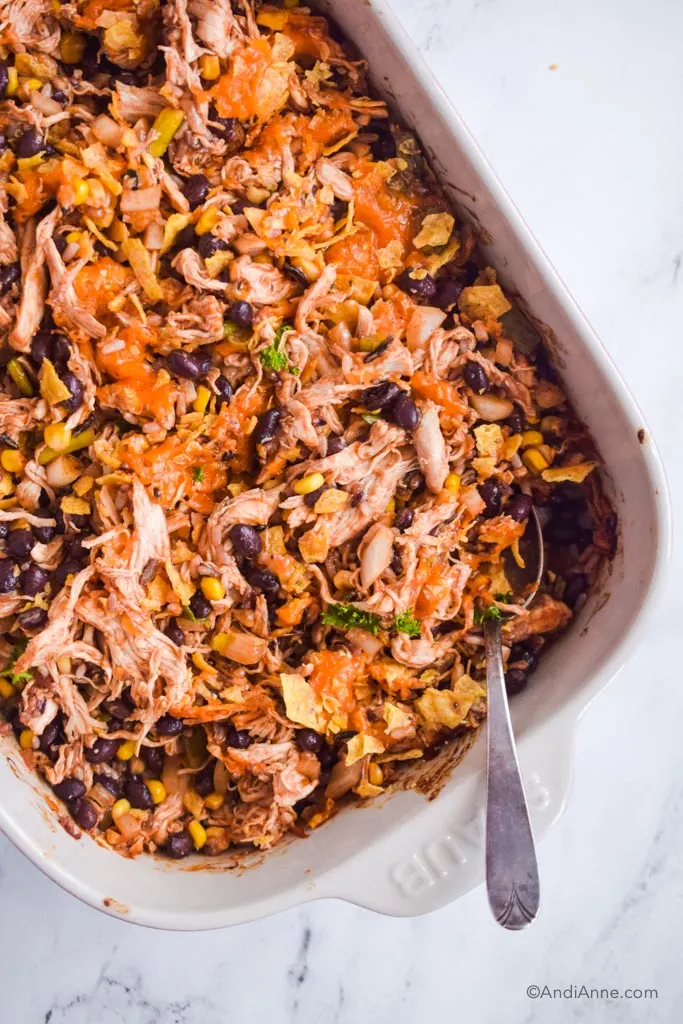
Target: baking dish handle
<point x="416" y="870"/>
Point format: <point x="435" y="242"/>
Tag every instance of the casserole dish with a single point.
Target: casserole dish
<point x="350" y="858"/>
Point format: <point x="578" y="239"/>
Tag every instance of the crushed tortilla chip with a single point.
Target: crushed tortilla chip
<point x="138" y="257"/>
<point x="75" y="506"/>
<point x="331" y="500"/>
<point x="449" y="707"/>
<point x="302" y="703"/>
<point x="52" y="388"/>
<point x="576" y="474"/>
<point x="314" y="545"/>
<point x="172" y="228"/>
<point x="391" y="675"/>
<point x="483" y="302"/>
<point x="436" y="229"/>
<point x="391" y="256"/>
<point x="360" y="745"/>
<point x="489" y="438"/>
<point x="181" y="588"/>
<point x="396" y="718"/>
<point x="366" y="790"/>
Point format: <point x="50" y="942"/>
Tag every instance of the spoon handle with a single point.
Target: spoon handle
<point x="511" y="868"/>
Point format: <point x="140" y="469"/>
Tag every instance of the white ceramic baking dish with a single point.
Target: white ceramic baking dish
<point x="408" y="856"/>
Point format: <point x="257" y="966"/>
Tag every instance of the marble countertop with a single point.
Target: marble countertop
<point x="591" y="151"/>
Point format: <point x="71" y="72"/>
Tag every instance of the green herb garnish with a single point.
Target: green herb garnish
<point x="273" y="357"/>
<point x="505" y="598"/>
<point x="347" y="616"/>
<point x="407" y="623"/>
<point x="371" y="417"/>
<point x="197" y="474"/>
<point x="492" y="612"/>
<point x="16" y="678"/>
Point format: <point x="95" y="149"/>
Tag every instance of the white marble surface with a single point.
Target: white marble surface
<point x="592" y="153"/>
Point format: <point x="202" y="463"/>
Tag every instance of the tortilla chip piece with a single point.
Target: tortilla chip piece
<point x="302" y="703"/>
<point x="436" y="230"/>
<point x="366" y="790"/>
<point x="361" y="745"/>
<point x="489" y="438"/>
<point x="483" y="302"/>
<point x="577" y="474"/>
<point x="391" y="256"/>
<point x="449" y="707"/>
<point x="396" y="718"/>
<point x="314" y="545"/>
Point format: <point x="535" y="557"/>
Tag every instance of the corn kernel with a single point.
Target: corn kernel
<point x="193" y="803"/>
<point x="6" y="484"/>
<point x="74" y="237"/>
<point x="6" y="689"/>
<point x="212" y="588"/>
<point x="534" y="460"/>
<point x="198" y="833"/>
<point x="64" y="663"/>
<point x="157" y="789"/>
<point x="214" y="800"/>
<point x="126" y="750"/>
<point x="58" y="436"/>
<point x="13" y="461"/>
<point x="28" y="163"/>
<point x="26" y="738"/>
<point x="137" y="765"/>
<point x="71" y="47"/>
<point x="81" y="192"/>
<point x="309" y="483"/>
<point x="531" y="437"/>
<point x="210" y="66"/>
<point x="236" y="488"/>
<point x="375" y="775"/>
<point x="220" y="642"/>
<point x="33" y="85"/>
<point x="166" y="125"/>
<point x="207" y="221"/>
<point x="121" y="806"/>
<point x="83" y="485"/>
<point x="200" y="662"/>
<point x="12" y="82"/>
<point x="452" y="483"/>
<point x="202" y="400"/>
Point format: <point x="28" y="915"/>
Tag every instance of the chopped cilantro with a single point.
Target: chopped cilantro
<point x="492" y="612"/>
<point x="273" y="357"/>
<point x="197" y="474"/>
<point x="505" y="598"/>
<point x="16" y="678"/>
<point x="189" y="614"/>
<point x="347" y="616"/>
<point x="371" y="417"/>
<point x="407" y="623"/>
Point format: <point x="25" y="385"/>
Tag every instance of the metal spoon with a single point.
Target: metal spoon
<point x="512" y="879"/>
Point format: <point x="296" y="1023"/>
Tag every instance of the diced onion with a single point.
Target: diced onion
<point x="45" y="104"/>
<point x="107" y="131"/>
<point x="62" y="471"/>
<point x="140" y="200"/>
<point x="364" y="641"/>
<point x="424" y="321"/>
<point x="492" y="407"/>
<point x="153" y="238"/>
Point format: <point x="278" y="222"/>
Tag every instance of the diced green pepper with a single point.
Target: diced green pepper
<point x="20" y="378"/>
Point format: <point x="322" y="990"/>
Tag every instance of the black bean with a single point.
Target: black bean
<point x="335" y="444"/>
<point x="33" y="580"/>
<point x="4" y="78"/>
<point x="309" y="740"/>
<point x="491" y="496"/>
<point x="209" y="244"/>
<point x="447" y="292"/>
<point x="228" y="128"/>
<point x="102" y="750"/>
<point x="327" y="757"/>
<point x="84" y="814"/>
<point x="154" y="759"/>
<point x="138" y="794"/>
<point x="30" y="144"/>
<point x="241" y="313"/>
<point x="185" y="364"/>
<point x="4" y="530"/>
<point x="59" y="97"/>
<point x="203" y="780"/>
<point x="168" y="725"/>
<point x="404" y="412"/>
<point x="339" y="209"/>
<point x="58" y="517"/>
<point x="179" y="845"/>
<point x="75" y="387"/>
<point x="80" y="523"/>
<point x="519" y="508"/>
<point x="267" y="425"/>
<point x="41" y="346"/>
<point x="33" y="618"/>
<point x="246" y="540"/>
<point x="381" y="396"/>
<point x="111" y="783"/>
<point x="114" y="725"/>
<point x="522" y="653"/>
<point x="61" y="349"/>
<point x="396" y="564"/>
<point x="19" y="543"/>
<point x="575" y="588"/>
<point x="414" y="481"/>
<point x="379" y="350"/>
<point x="186" y="239"/>
<point x="237" y="737"/>
<point x="404" y="519"/>
<point x="70" y="789"/>
<point x="295" y="273"/>
<point x="419" y="288"/>
<point x="9" y="575"/>
<point x="475" y="377"/>
<point x="384" y="147"/>
<point x="52" y="734"/>
<point x="174" y="632"/>
<point x="195" y="190"/>
<point x="357" y="497"/>
<point x="224" y="389"/>
<point x="199" y="606"/>
<point x="264" y="580"/>
<point x="68" y="568"/>
<point x="515" y="680"/>
<point x="8" y="275"/>
<point x="60" y="243"/>
<point x="516" y="422"/>
<point x="117" y="708"/>
<point x="311" y="499"/>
